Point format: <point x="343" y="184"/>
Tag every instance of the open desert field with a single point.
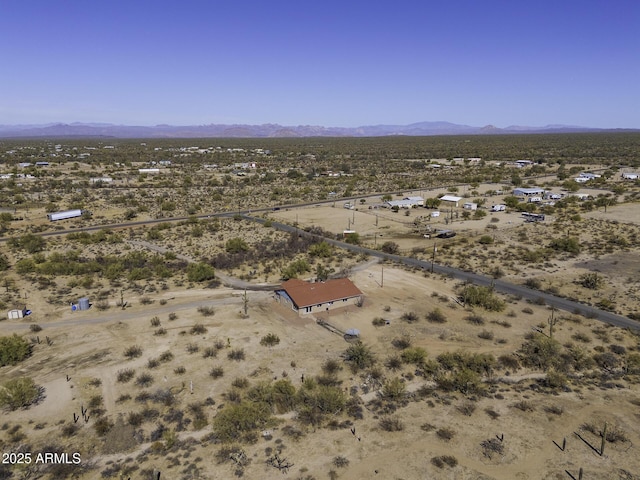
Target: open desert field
<point x="155" y="407"/>
<point x="186" y="366"/>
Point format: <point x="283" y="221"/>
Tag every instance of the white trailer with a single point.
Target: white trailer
<point x="64" y="215"/>
<point x="470" y="206"/>
<point x="498" y="208"/>
<point x="15" y="314"/>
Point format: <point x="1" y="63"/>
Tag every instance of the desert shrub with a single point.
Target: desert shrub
<point x="541" y="352"/>
<point x="443" y="460"/>
<point x="153" y="363"/>
<point x="467" y="408"/>
<point x="179" y="370"/>
<point x="210" y="352"/>
<point x="593" y="281"/>
<point x="415" y="355"/>
<point x="394" y="362"/>
<point x="200" y="272"/>
<point x="206" y="312"/>
<point x="236" y="354"/>
<point x="13" y="349"/>
<point x="566" y="244"/>
<point x="102" y="426"/>
<point x="123" y="376"/>
<point x="445" y="433"/>
<point x="378" y="322"/>
<point x="359" y="356"/>
<point x="533" y="283"/>
<point x="192" y="348"/>
<point x="240" y="382"/>
<point x="581" y="337"/>
<point x="160" y="331"/>
<point x="555" y="380"/>
<point x="135" y="419"/>
<point x="166" y="356"/>
<point x="144" y="380"/>
<point x="527" y="310"/>
<point x="173" y="316"/>
<point x="234" y="421"/>
<point x="216" y="372"/>
<point x="436" y="316"/>
<point x="331" y="366"/>
<point x="390" y="247"/>
<point x="19" y="393"/>
<point x="554" y="409"/>
<point x="475" y="319"/>
<point x="409" y="317"/>
<point x="68" y="430"/>
<point x="509" y="362"/>
<point x="492" y="413"/>
<point x="270" y="340"/>
<point x="133" y="351"/>
<point x="391" y="424"/>
<point x="394" y="389"/>
<point x="524" y="405"/>
<point x="483" y="297"/>
<point x="618" y="349"/>
<point x="401" y="342"/>
<point x="486" y="335"/>
<point x="491" y="447"/>
<point x="146" y="301"/>
<point x="35" y="328"/>
<point x="155" y="322"/>
<point x="198" y="329"/>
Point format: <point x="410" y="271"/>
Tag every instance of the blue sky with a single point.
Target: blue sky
<point x="346" y="63"/>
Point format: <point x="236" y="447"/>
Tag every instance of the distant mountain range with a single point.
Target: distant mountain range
<point x="274" y="130"/>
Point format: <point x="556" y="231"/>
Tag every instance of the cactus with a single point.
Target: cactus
<point x="604" y="439"/>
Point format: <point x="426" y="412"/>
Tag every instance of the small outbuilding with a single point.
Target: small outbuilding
<point x="528" y="192"/>
<point x="450" y="198"/>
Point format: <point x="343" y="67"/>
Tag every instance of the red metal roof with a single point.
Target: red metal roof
<point x="305" y="294"/>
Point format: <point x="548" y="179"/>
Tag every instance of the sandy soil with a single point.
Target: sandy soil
<point x="95" y="351"/>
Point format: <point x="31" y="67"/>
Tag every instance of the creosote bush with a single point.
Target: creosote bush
<point x="133" y="351"/>
<point x="436" y="316"/>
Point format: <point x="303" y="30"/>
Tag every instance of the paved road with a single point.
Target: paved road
<point x="477" y="279"/>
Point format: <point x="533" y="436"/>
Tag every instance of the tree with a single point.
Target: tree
<point x="566" y="244"/>
<point x="322" y="273"/>
<point x="353" y="238"/>
<point x="321" y="249"/>
<point x="541" y="352"/>
<point x="236" y="245"/>
<point x="234" y="422"/>
<point x="4" y="262"/>
<point x="13" y="349"/>
<point x="390" y="247"/>
<point x="19" y="393"/>
<point x="359" y="356"/>
<point x="200" y="272"/>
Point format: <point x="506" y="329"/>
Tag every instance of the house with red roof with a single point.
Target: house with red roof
<point x="306" y="297"/>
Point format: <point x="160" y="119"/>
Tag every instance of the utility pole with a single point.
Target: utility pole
<point x="382" y="278"/>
